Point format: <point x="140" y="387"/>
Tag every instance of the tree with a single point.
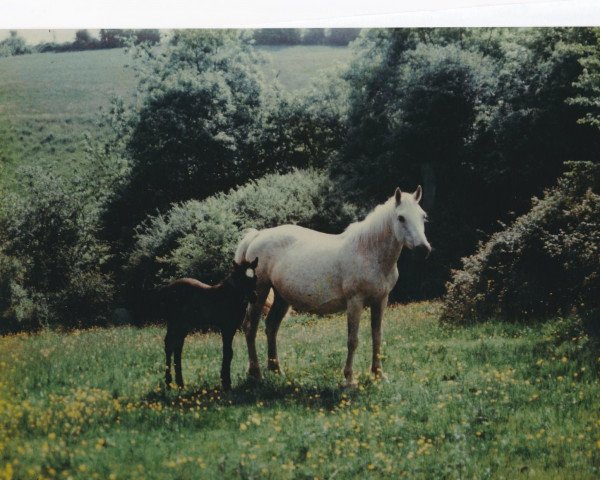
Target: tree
<point x="341" y="36"/>
<point x="199" y="127"/>
<point x="313" y="36"/>
<point x="112" y="38"/>
<point x="13" y="45"/>
<point x="85" y="41"/>
<point x="277" y="36"/>
<point x="147" y="35"/>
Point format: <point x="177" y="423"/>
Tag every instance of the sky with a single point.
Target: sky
<point x="32" y="18"/>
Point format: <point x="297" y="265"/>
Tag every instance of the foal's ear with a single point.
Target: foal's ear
<point x="398" y="195"/>
<point x="254" y="263"/>
<point x="418" y="194"/>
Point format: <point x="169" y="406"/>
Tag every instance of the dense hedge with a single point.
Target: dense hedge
<point x="199" y="238"/>
<point x="546" y="262"/>
<point x="51" y="261"/>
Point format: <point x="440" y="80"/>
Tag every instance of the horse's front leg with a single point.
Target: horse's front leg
<point x="354" y="310"/>
<point x="227" y="337"/>
<point x="377" y="309"/>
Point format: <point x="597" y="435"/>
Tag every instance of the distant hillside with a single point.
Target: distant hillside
<point x="48" y="101"/>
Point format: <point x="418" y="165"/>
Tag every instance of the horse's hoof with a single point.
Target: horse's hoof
<point x="351" y="384"/>
<point x="254" y="372"/>
<point x="274" y="367"/>
<point x="379" y="376"/>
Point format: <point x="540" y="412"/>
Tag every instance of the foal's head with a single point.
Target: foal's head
<point x="243" y="278"/>
<point x="409" y="225"/>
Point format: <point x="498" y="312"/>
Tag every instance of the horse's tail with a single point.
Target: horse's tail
<point x="240" y="253"/>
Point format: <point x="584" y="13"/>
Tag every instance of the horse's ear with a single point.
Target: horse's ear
<point x="418" y="194"/>
<point x="398" y="195"/>
<point x="254" y="264"/>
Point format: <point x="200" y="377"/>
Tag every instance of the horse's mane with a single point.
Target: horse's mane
<point x="376" y="226"/>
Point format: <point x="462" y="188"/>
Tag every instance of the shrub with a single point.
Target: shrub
<point x="547" y="262"/>
<point x="14" y="45"/>
<point x="51" y="263"/>
<point x="199" y="238"/>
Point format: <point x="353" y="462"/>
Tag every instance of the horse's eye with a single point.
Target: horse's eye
<point x="401" y="218"/>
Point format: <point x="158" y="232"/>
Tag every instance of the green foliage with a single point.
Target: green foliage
<point x="492" y="400"/>
<point x="277" y="36"/>
<point x="52" y="265"/>
<point x="341" y="36"/>
<point x="546" y="262"/>
<point x="307" y="36"/>
<point x="199" y="238"/>
<point x="307" y="129"/>
<point x="13" y="45"/>
<point x="119" y="38"/>
<point x="199" y="127"/>
<point x="587" y="94"/>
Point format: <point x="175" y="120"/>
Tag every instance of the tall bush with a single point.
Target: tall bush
<point x="51" y="262"/>
<point x="547" y="262"/>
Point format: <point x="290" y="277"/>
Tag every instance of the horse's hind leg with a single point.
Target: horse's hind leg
<point x="277" y="313"/>
<point x="377" y="309"/>
<point x="354" y="310"/>
<point x="251" y="327"/>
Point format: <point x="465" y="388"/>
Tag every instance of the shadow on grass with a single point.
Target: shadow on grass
<point x="270" y="391"/>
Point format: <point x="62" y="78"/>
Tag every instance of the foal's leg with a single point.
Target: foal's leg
<point x="250" y="327"/>
<point x="278" y="311"/>
<point x="377" y="309"/>
<point x="354" y="310"/>
<point x="178" y="349"/>
<point x="169" y="347"/>
<point x="227" y="338"/>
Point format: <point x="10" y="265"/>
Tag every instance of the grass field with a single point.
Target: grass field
<point x="49" y="101"/>
<point x="488" y="401"/>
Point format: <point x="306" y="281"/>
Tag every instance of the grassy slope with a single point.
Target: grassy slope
<point x="492" y="400"/>
<point x="49" y="101"/>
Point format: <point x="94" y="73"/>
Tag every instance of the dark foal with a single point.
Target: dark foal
<point x="189" y="305"/>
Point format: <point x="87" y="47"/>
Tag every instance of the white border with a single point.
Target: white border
<point x="59" y="14"/>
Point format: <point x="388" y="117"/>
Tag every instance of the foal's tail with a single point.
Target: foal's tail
<point x="240" y="253"/>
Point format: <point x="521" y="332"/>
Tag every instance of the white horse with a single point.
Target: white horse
<point x="322" y="273"/>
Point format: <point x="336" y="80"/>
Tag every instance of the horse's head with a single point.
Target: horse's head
<point x="409" y="224"/>
<point x="243" y="278"/>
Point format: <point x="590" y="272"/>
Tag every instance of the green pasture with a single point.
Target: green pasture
<point x="495" y="400"/>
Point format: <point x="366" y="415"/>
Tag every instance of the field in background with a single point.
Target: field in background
<point x="296" y="67"/>
<point x="493" y="400"/>
<point x="49" y="101"/>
